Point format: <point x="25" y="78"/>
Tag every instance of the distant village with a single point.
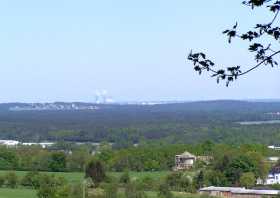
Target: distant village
<point x="53" y="107"/>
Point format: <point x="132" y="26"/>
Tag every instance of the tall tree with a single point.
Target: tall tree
<point x="96" y="171"/>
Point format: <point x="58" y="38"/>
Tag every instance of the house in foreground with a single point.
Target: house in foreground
<point x="233" y="192"/>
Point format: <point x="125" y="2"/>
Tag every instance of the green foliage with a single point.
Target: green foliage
<point x="233" y="162"/>
<point x="2" y="181"/>
<point x="164" y="191"/>
<point x="215" y="178"/>
<point x="8" y="159"/>
<point x="248" y="180"/>
<point x="57" y="162"/>
<point x="52" y="187"/>
<point x="125" y="178"/>
<point x="111" y="190"/>
<point x="187" y="123"/>
<point x="96" y="171"/>
<point x="178" y="181"/>
<point x="133" y="190"/>
<point x="149" y="183"/>
<point x="199" y="180"/>
<point x="77" y="191"/>
<point x="11" y="180"/>
<point x="31" y="179"/>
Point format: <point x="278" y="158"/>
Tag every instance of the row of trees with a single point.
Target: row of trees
<point x="37" y="159"/>
<point x="158" y="157"/>
<point x="145" y="157"/>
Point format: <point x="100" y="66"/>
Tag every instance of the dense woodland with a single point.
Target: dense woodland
<point x="191" y="122"/>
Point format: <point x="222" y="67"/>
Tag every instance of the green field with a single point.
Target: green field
<point x="17" y="193"/>
<point x="78" y="177"/>
<point x="70" y="177"/>
<point x="141" y="175"/>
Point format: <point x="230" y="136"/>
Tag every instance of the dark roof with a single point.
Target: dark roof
<point x="275" y="170"/>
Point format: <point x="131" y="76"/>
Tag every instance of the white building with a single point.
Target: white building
<point x="274" y="147"/>
<point x="184" y="161"/>
<point x="42" y="144"/>
<point x="273" y="176"/>
<point x="9" y="143"/>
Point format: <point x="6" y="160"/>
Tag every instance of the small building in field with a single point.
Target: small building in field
<point x="184" y="161"/>
<point x="187" y="160"/>
<point x="234" y="192"/>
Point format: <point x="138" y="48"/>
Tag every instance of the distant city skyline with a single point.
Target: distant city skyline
<point x="135" y="50"/>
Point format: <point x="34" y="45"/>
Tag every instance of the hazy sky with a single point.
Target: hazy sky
<point x="64" y="50"/>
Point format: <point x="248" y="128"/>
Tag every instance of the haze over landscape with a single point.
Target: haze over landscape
<point x="65" y="50"/>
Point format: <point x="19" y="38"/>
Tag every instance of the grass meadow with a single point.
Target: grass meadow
<point x="75" y="177"/>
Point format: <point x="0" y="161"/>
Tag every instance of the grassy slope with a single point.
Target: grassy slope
<point x="77" y="177"/>
<point x="70" y="177"/>
<point x="17" y="193"/>
<point x="141" y="175"/>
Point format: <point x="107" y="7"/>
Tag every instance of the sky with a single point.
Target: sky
<point x="65" y="50"/>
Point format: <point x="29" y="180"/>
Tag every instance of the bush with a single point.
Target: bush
<point x="77" y="191"/>
<point x="2" y="181"/>
<point x="111" y="190"/>
<point x="133" y="190"/>
<point x="177" y="181"/>
<point x="247" y="180"/>
<point x="125" y="179"/>
<point x="148" y="183"/>
<point x="164" y="191"/>
<point x="11" y="180"/>
<point x="51" y="186"/>
<point x="31" y="179"/>
<point x="96" y="171"/>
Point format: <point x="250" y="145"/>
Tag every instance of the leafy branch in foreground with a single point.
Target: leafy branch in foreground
<point x="264" y="53"/>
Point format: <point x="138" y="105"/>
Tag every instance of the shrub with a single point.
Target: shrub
<point x="133" y="190"/>
<point x="31" y="179"/>
<point x="125" y="179"/>
<point x="2" y="181"/>
<point x="164" y="191"/>
<point x="111" y="190"/>
<point x="11" y="180"/>
<point x="96" y="171"/>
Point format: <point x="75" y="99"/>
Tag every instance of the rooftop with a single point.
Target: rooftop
<point x="187" y="154"/>
<point x="237" y="190"/>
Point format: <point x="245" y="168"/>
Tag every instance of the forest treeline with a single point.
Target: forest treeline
<point x="145" y="157"/>
<point x="172" y="123"/>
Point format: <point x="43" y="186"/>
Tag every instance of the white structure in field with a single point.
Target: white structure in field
<point x="184" y="161"/>
<point x="9" y="143"/>
<point x="187" y="160"/>
<point x="14" y="143"/>
<point x="274" y="147"/>
<point x="42" y="144"/>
